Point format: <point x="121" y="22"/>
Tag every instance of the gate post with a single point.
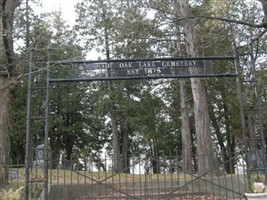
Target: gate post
<point x="252" y="124"/>
<point x="47" y="122"/>
<point x="28" y="129"/>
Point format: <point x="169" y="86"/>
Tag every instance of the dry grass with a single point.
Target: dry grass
<point x="63" y="176"/>
<point x="206" y="197"/>
<point x="11" y="194"/>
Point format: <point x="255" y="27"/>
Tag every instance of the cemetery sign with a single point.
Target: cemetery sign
<point x="145" y="69"/>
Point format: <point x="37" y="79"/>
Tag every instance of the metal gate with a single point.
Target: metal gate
<point x="107" y="70"/>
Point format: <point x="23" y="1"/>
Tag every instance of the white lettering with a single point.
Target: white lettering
<point x="164" y="64"/>
<point x="126" y="65"/>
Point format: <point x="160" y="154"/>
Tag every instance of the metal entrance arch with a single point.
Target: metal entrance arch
<point x="126" y="69"/>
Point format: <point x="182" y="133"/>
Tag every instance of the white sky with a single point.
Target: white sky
<point x="66" y="6"/>
<point x="68" y="14"/>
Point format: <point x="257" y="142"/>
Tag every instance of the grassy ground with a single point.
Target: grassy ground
<point x="62" y="176"/>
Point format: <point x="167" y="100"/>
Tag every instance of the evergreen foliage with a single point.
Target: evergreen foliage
<point x="147" y="113"/>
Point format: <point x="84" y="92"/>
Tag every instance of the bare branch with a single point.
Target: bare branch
<point x="262" y="25"/>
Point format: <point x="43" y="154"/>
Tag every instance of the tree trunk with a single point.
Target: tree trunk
<point x="186" y="136"/>
<point x="221" y="140"/>
<point x="114" y="121"/>
<point x="55" y="156"/>
<point x="125" y="143"/>
<point x="230" y="138"/>
<point x="155" y="156"/>
<point x="7" y="68"/>
<point x="69" y="143"/>
<point x="115" y="143"/>
<point x="5" y="102"/>
<point x="206" y="159"/>
<point x="186" y="133"/>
